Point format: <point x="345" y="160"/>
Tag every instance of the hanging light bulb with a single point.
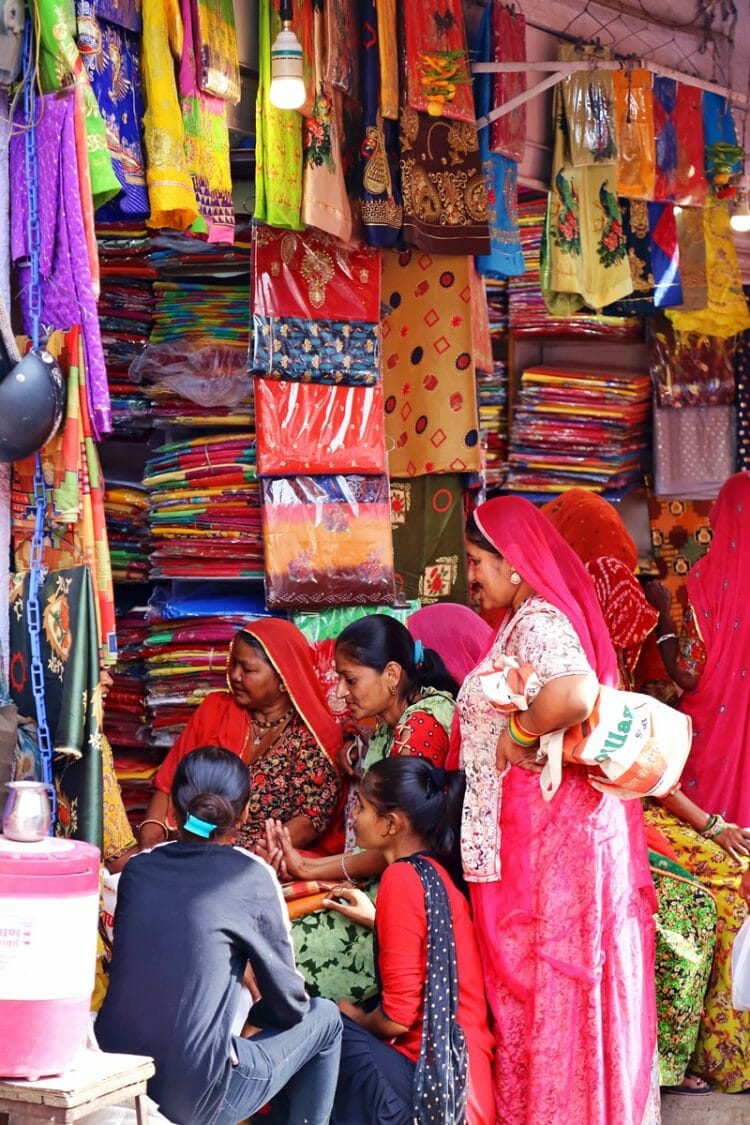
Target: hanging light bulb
<point x="287" y="89"/>
<point x="740" y="220"/>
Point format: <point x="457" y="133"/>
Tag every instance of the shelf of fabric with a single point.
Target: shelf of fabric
<point x="126" y="512"/>
<point x="579" y="426"/>
<point x="125" y="714"/>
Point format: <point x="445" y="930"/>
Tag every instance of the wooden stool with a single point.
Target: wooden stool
<point x="99" y="1079"/>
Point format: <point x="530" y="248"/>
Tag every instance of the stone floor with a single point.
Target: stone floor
<point x="715" y="1109"/>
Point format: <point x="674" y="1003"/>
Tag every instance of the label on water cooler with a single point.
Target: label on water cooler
<point x="47" y="947"/>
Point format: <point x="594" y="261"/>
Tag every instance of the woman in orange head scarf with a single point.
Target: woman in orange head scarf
<point x="274" y="716"/>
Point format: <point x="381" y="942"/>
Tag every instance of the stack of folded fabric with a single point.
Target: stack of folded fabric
<point x="125" y="715"/>
<point x="492" y="393"/>
<point x="126" y="512"/>
<point x="186" y="652"/>
<point x="205" y="508"/>
<point x="578" y="426"/>
<point x="125" y="317"/>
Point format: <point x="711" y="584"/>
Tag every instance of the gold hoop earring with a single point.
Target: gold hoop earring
<point x="282" y="686"/>
<point x="515" y="578"/>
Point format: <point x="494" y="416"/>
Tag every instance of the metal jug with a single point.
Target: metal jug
<point x="27" y="814"/>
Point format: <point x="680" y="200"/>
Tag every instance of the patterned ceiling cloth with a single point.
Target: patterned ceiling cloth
<point x="427" y="517"/>
<point x="428" y="364"/>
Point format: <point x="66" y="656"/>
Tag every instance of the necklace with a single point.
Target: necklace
<point x="263" y="727"/>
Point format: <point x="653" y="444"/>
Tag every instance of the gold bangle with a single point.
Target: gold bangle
<point x="152" y="820"/>
<point x="345" y="872"/>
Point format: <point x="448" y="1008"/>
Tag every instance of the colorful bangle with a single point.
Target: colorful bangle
<point x="666" y="637"/>
<point x="715" y="826"/>
<point x="520" y="736"/>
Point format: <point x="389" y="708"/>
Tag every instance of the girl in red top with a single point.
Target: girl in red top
<point x="424" y="1052"/>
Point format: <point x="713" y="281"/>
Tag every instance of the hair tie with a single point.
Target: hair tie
<point x="199" y="827"/>
<point x="439" y="778"/>
<point x="418" y="653"/>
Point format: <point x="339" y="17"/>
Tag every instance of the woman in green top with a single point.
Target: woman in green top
<point x="383" y="674"/>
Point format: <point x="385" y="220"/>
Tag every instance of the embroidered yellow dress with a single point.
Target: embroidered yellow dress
<point x="170" y="188"/>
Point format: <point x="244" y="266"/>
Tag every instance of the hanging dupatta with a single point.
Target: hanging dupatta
<point x="440" y="1087"/>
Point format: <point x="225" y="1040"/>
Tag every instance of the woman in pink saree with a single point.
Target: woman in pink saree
<point x="561" y="891"/>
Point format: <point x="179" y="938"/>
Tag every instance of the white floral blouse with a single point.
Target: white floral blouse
<point x="540" y="634"/>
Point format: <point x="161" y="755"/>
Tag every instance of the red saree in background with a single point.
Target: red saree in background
<point x="563" y="910"/>
<point x="717" y="774"/>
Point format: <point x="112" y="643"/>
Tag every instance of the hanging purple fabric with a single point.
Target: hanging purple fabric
<point x="67" y="292"/>
<point x="665" y="255"/>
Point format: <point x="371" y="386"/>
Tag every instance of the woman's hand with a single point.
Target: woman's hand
<point x="356" y="906"/>
<point x="509" y="753"/>
<point x="347" y="1008"/>
<point x="659" y="597"/>
<point x="283" y="856"/>
<point x="735" y="841"/>
<point x="348" y="757"/>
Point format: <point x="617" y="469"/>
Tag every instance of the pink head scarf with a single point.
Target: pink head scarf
<point x="541" y="556"/>
<point x="456" y="633"/>
<point x="717" y="774"/>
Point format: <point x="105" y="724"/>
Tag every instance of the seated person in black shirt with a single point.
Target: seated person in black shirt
<point x="191" y="918"/>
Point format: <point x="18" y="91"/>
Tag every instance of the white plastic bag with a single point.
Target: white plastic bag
<point x="741" y="968"/>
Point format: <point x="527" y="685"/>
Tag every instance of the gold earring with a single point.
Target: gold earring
<point x="282" y="686"/>
<point x="392" y="689"/>
<point x="515" y="578"/>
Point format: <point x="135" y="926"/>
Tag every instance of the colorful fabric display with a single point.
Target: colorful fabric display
<point x="680" y="157"/>
<point x="204" y="500"/>
<point x="500" y="173"/>
<point x="680" y="536"/>
<point x="588" y="106"/>
<point x="634" y="116"/>
<point x="438" y="78"/>
<point x="508" y="30"/>
<point x="635" y="216"/>
<point x="688" y="369"/>
<point x="278" y="135"/>
<point x="316" y="308"/>
<point x="718" y="129"/>
<point x="380" y="201"/>
<point x="665" y="255"/>
<point x="307" y="428"/>
<point x="327" y="541"/>
<point x="215" y="47"/>
<point x="584" y="256"/>
<point x="665" y="137"/>
<point x="726" y="312"/>
<point x="126" y="716"/>
<point x="427" y="517"/>
<point x="67" y="294"/>
<point x="694" y="450"/>
<point x="75" y="526"/>
<point x="492" y="391"/>
<point x="70" y="657"/>
<point x="691" y="241"/>
<point x="579" y="426"/>
<point x="126" y="513"/>
<point x="427" y="343"/>
<point x="109" y="48"/>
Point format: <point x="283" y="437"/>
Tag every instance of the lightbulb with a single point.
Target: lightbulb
<point x="287" y="90"/>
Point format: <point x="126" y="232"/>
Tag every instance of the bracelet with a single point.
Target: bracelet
<point x="666" y="637"/>
<point x="520" y="736"/>
<point x="715" y="825"/>
<point x="152" y="820"/>
<point x="346" y="874"/>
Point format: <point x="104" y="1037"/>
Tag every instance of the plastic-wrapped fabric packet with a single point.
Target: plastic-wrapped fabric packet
<point x="694" y="451"/>
<point x="588" y="99"/>
<point x="307" y="428"/>
<point x="327" y="541"/>
<point x="634" y="114"/>
<point x="687" y="368"/>
<point x="508" y="33"/>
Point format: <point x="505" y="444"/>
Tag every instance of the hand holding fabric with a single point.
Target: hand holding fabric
<point x="356" y="906"/>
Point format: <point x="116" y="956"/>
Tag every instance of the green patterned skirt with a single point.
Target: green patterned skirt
<point x="335" y="955"/>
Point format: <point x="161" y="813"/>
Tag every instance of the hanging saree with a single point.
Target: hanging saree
<point x="685" y="931"/>
<point x="693" y="450"/>
<point x="278" y="139"/>
<point x="718" y="129"/>
<point x="72" y="690"/>
<point x="216" y="57"/>
<point x="325" y="203"/>
<point x="584" y="257"/>
<point x="690" y="174"/>
<point x="691" y="241"/>
<point x="665" y="137"/>
<point x="634" y="118"/>
<point x="206" y="143"/>
<point x="342" y="64"/>
<point x="501" y="177"/>
<point x="665" y="255"/>
<point x="722" y="1050"/>
<point x="726" y="312"/>
<point x="379" y="188"/>
<point x="688" y="369"/>
<point x="437" y="72"/>
<point x="508" y="44"/>
<point x="110" y="51"/>
<point x="638" y="243"/>
<point x="388" y="54"/>
<point x="428" y="359"/>
<point x="427" y="518"/>
<point x="61" y="65"/>
<point x="66" y="282"/>
<point x="170" y="188"/>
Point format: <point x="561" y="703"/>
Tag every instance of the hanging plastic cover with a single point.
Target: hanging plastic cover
<point x="307" y="428"/>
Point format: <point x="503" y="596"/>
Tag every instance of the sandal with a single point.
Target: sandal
<point x="691" y="1084"/>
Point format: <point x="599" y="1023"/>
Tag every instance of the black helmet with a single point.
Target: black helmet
<point x="32" y="401"/>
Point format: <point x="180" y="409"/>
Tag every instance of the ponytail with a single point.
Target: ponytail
<point x="431" y="799"/>
<point x="212" y="786"/>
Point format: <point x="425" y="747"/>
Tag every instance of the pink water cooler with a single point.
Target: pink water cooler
<point x="49" y="899"/>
